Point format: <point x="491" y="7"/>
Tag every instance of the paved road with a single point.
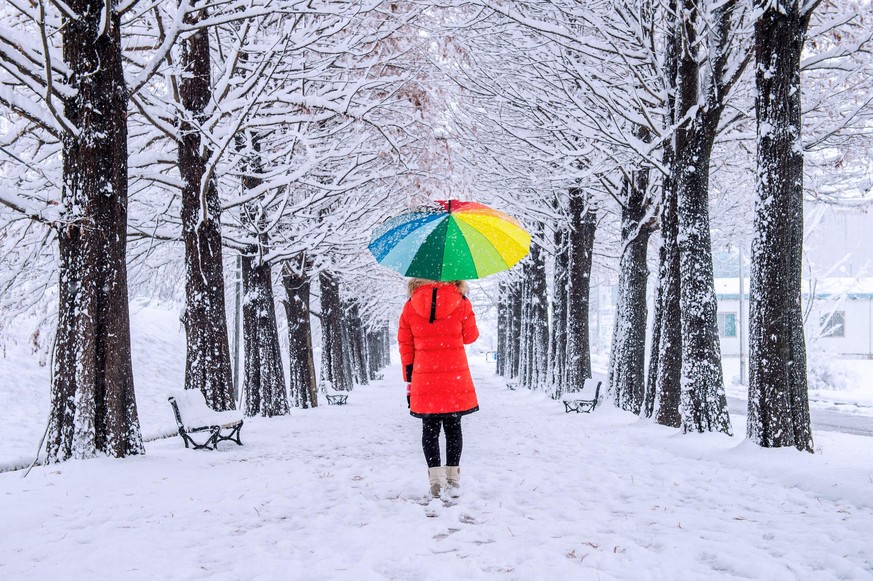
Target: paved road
<point x="822" y="419"/>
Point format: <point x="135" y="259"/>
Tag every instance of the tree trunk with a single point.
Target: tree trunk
<point x="535" y="322"/>
<point x="778" y="391"/>
<point x="208" y="357"/>
<point x="654" y="355"/>
<point x="302" y="385"/>
<point x="628" y="354"/>
<point x="347" y="348"/>
<point x="334" y="371"/>
<point x="704" y="404"/>
<point x="383" y="347"/>
<point x="512" y="344"/>
<point x="502" y="328"/>
<point x="665" y="384"/>
<point x="583" y="221"/>
<point x="558" y="338"/>
<point x="264" y="378"/>
<point x="517" y="316"/>
<point x="356" y="345"/>
<point x="375" y="351"/>
<point x="524" y="326"/>
<point x="669" y="346"/>
<point x="264" y="381"/>
<point x="93" y="405"/>
<point x="386" y="346"/>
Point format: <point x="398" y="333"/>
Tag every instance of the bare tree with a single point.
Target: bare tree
<point x="77" y="95"/>
<point x="778" y="398"/>
<point x="295" y="279"/>
<point x="207" y="365"/>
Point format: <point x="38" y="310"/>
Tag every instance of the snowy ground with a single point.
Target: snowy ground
<point x="158" y="348"/>
<point x="334" y="493"/>
<point x="855" y="399"/>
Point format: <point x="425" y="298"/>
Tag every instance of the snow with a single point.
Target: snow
<point x="857" y="400"/>
<point x="24" y="395"/>
<point x="196" y="414"/>
<point x="158" y="349"/>
<point x="337" y="492"/>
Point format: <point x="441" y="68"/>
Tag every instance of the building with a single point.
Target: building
<point x="838" y="313"/>
<point x="837" y="289"/>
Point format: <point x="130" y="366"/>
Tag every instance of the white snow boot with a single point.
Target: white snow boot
<point x="453" y="481"/>
<point x="437" y="478"/>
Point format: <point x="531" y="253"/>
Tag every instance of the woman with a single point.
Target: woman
<point x="437" y="321"/>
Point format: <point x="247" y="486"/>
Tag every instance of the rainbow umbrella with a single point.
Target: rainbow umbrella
<point x="450" y="240"/>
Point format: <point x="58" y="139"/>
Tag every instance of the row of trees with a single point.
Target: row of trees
<point x="263" y="128"/>
<point x="152" y="142"/>
<point x="636" y="98"/>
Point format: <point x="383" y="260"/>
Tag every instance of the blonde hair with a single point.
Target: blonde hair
<point x="415" y="283"/>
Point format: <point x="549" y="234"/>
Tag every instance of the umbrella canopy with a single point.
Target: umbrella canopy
<point x="450" y="240"/>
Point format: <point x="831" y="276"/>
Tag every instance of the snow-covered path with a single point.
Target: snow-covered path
<point x="333" y="493"/>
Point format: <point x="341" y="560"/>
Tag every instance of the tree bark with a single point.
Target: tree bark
<point x="357" y="343"/>
<point x="386" y="346"/>
<point x="346" y="349"/>
<point x="381" y="348"/>
<point x="669" y="346"/>
<point x="558" y="337"/>
<point x="302" y="386"/>
<point x="264" y="382"/>
<point x="502" y="328"/>
<point x="704" y="404"/>
<point x="627" y="357"/>
<point x="535" y="321"/>
<point x="513" y="328"/>
<point x="517" y="327"/>
<point x="335" y="372"/>
<point x="208" y="351"/>
<point x="654" y="355"/>
<point x="524" y="326"/>
<point x="515" y="342"/>
<point x="264" y="378"/>
<point x="583" y="222"/>
<point x="93" y="405"/>
<point x="778" y="390"/>
<point x="666" y="359"/>
<point x="375" y="351"/>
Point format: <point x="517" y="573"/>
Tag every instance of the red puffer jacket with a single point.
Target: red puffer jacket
<point x="435" y="325"/>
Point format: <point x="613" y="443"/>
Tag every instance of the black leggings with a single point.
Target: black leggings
<point x="430" y="440"/>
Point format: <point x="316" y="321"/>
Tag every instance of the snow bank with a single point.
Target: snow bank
<point x="158" y="350"/>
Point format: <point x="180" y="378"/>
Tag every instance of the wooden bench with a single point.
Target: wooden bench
<point x="193" y="416"/>
<point x="511" y="385"/>
<point x="378" y="376"/>
<point x="336" y="398"/>
<point x="580" y="405"/>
